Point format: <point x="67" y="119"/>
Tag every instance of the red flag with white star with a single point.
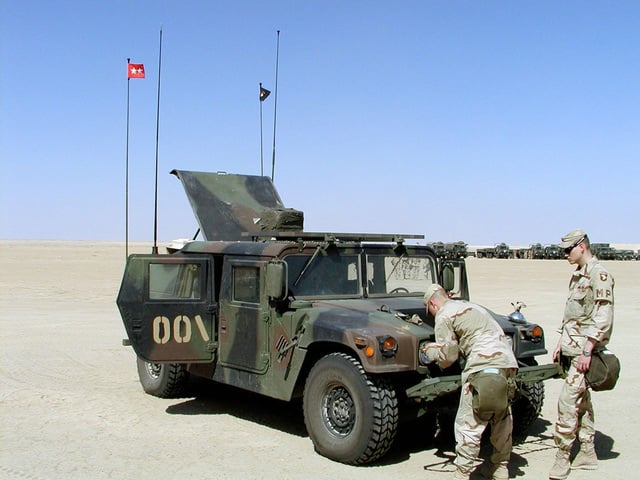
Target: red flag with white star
<point x="135" y="70"/>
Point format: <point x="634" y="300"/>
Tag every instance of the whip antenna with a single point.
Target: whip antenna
<point x="155" y="214"/>
<point x="275" y="108"/>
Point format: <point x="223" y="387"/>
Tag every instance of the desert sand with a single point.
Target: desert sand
<point x="71" y="406"/>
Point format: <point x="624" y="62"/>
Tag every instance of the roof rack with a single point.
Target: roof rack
<point x="333" y="237"/>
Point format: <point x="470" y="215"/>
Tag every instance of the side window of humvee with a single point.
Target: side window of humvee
<point x="246" y="284"/>
<point x="174" y="281"/>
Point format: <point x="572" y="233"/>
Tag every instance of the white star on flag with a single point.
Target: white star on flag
<point x="135" y="70"/>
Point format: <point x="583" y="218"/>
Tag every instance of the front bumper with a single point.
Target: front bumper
<point x="431" y="388"/>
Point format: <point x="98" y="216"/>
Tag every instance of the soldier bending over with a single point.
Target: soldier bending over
<point x="488" y="379"/>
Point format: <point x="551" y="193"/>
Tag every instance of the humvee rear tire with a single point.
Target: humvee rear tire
<point x="164" y="380"/>
<point x="527" y="407"/>
<point x="351" y="417"/>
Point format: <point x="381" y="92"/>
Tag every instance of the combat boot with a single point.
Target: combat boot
<point x="561" y="468"/>
<point x="458" y="475"/>
<point x="494" y="471"/>
<point x="586" y="458"/>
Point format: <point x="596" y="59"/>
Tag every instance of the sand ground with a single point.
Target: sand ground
<point x="71" y="406"/>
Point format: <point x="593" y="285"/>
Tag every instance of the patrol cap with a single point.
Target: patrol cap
<point x="572" y="238"/>
<point x="431" y="289"/>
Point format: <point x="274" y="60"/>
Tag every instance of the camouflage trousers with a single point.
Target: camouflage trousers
<point x="575" y="412"/>
<point x="468" y="432"/>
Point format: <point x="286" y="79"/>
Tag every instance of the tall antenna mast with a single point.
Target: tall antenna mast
<point x="155" y="215"/>
<point x="126" y="175"/>
<point x="134" y="70"/>
<point x="275" y="108"/>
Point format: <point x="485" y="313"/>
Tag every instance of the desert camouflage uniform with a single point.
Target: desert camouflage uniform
<point x="466" y="329"/>
<point x="588" y="313"/>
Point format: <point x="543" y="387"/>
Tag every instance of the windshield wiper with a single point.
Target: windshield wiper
<point x="396" y="265"/>
<point x="319" y="248"/>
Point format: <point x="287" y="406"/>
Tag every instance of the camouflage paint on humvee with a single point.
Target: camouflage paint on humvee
<point x="334" y="318"/>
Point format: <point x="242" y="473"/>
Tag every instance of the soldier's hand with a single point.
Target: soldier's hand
<point x="425" y="355"/>
<point x="583" y="363"/>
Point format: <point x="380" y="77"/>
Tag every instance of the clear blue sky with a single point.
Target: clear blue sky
<point x="482" y="121"/>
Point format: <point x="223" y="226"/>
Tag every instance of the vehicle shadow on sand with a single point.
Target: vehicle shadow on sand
<point x="209" y="398"/>
<point x="427" y="433"/>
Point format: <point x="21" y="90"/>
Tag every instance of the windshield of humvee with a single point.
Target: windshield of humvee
<point x="330" y="274"/>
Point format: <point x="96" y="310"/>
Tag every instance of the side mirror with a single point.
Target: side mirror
<point x="448" y="277"/>
<point x="276" y="282"/>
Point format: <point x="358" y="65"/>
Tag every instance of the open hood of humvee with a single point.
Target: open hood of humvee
<point x="228" y="205"/>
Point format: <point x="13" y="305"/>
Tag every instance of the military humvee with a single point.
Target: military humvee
<point x="439" y="249"/>
<point x="457" y="250"/>
<point x="502" y="250"/>
<point x="553" y="252"/>
<point x="537" y="251"/>
<point x="335" y="319"/>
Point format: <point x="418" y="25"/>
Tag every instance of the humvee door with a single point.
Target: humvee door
<point x="167" y="307"/>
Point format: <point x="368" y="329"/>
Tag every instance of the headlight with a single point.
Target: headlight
<point x="422" y="356"/>
<point x="388" y="346"/>
<point x="424" y="360"/>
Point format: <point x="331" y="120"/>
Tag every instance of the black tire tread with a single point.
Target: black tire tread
<point x="385" y="415"/>
<point x="172" y="382"/>
<point x="527" y="407"/>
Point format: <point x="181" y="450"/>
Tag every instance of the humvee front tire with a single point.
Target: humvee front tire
<point x="164" y="380"/>
<point x="527" y="407"/>
<point x="351" y="417"/>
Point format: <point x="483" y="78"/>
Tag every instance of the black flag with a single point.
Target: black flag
<point x="264" y="93"/>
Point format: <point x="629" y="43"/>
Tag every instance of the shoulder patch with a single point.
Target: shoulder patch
<point x="603" y="276"/>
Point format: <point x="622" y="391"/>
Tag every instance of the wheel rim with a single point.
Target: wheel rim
<point x="338" y="411"/>
<point x="153" y="369"/>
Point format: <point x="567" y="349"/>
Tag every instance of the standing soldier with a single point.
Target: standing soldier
<point x="587" y="324"/>
<point x="463" y="329"/>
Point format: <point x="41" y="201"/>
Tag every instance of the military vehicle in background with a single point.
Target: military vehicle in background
<point x="553" y="252"/>
<point x="624" y="254"/>
<point x="537" y="251"/>
<point x="456" y="250"/>
<point x="603" y="251"/>
<point x="439" y="249"/>
<point x="449" y="250"/>
<point x="334" y="319"/>
<point x="501" y="250"/>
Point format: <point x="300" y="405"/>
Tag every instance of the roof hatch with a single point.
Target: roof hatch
<point x="228" y="205"/>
